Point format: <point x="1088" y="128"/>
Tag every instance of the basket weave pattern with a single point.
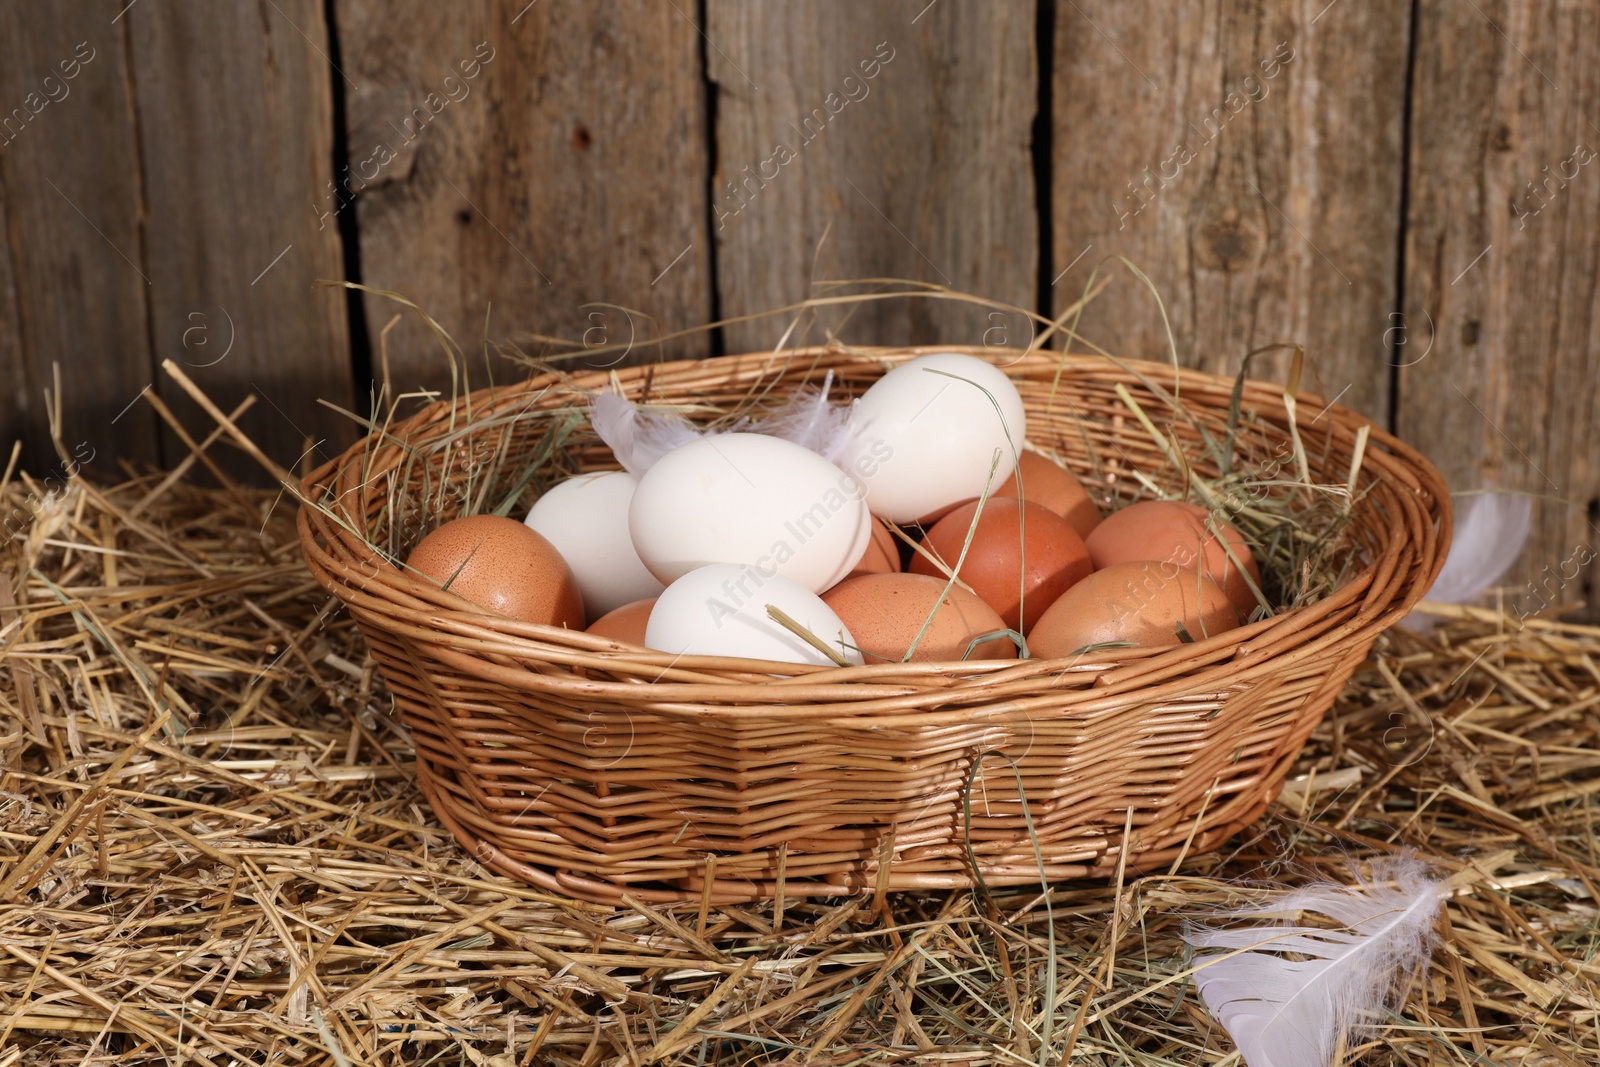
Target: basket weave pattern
<point x="592" y="769"/>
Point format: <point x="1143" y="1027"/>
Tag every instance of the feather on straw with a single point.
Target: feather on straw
<point x="1489" y="536"/>
<point x="1284" y="1012"/>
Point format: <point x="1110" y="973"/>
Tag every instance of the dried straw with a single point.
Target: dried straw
<point x="212" y="852"/>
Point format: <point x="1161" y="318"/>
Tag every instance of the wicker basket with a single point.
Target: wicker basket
<point x="593" y="769"/>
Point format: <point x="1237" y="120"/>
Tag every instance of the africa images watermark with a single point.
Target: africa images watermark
<point x="1551" y="585"/>
<point x="52" y="89"/>
<point x="1553" y="184"/>
<point x="22" y="517"/>
<point x="1255" y="90"/>
<point x="342" y="190"/>
<point x="802" y="528"/>
<point x="749" y="185"/>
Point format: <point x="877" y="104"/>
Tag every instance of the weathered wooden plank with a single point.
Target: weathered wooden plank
<point x="1248" y="159"/>
<point x="73" y="283"/>
<point x="1502" y="267"/>
<point x="532" y="157"/>
<point x="902" y="131"/>
<point x="235" y="118"/>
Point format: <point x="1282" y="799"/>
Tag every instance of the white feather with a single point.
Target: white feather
<point x="1490" y="533"/>
<point x="1293" y="1013"/>
<point x="809" y="420"/>
<point x="638" y="436"/>
<point x="1488" y="539"/>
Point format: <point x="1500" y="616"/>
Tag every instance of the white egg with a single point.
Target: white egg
<point x="926" y="433"/>
<point x="721" y="610"/>
<point x="586" y="518"/>
<point x="748" y="498"/>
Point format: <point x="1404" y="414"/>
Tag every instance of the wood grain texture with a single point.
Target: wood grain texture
<point x="235" y="116"/>
<point x="569" y="169"/>
<point x="1502" y="270"/>
<point x="900" y="130"/>
<point x="1249" y="161"/>
<point x="72" y="279"/>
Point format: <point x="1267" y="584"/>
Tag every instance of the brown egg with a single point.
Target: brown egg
<point x="1046" y="482"/>
<point x="1176" y="532"/>
<point x="626" y="623"/>
<point x="1140" y="602"/>
<point x="883" y="553"/>
<point x="1056" y="556"/>
<point x="885" y="612"/>
<point x="502" y="565"/>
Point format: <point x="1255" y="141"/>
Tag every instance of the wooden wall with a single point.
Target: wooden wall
<point x="1410" y="190"/>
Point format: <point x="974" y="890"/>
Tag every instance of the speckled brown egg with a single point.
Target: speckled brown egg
<point x="884" y="613"/>
<point x="882" y="555"/>
<point x="1046" y="482"/>
<point x="1176" y="532"/>
<point x="625" y="624"/>
<point x="1140" y="602"/>
<point x="501" y="565"/>
<point x="1023" y="556"/>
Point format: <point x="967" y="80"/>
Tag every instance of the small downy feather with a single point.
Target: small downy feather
<point x="1285" y="1012"/>
<point x="809" y="420"/>
<point x="1490" y="532"/>
<point x="638" y="436"/>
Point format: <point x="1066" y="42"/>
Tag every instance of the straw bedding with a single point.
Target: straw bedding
<point x="212" y="851"/>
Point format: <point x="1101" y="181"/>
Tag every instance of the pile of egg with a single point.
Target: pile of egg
<point x="691" y="555"/>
